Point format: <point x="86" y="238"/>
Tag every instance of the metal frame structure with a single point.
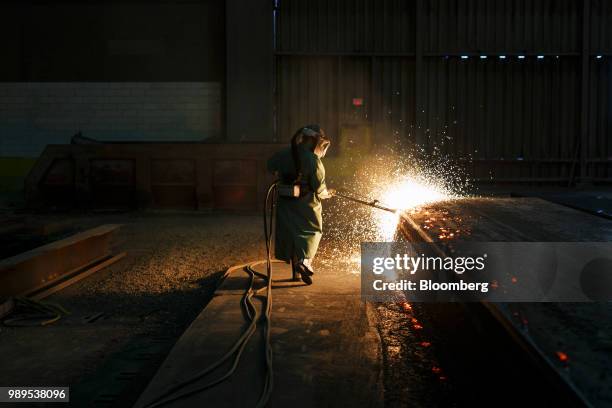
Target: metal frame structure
<point x="543" y="61"/>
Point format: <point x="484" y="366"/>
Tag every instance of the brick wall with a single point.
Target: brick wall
<point x="33" y="115"/>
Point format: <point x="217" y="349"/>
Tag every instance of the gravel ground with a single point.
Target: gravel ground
<point x="169" y="258"/>
<point x="143" y="303"/>
<point x="139" y="305"/>
<point x="125" y="319"/>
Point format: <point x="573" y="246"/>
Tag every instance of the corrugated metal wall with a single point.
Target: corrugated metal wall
<point x="345" y="26"/>
<point x="599" y="148"/>
<point x="393" y="102"/>
<point x="601" y="26"/>
<point x="321" y="90"/>
<point x="599" y="142"/>
<point x="491" y="110"/>
<point x="516" y="88"/>
<point x="307" y="91"/>
<point x="505" y="26"/>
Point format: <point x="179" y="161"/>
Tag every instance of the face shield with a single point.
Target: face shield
<point x="320" y="141"/>
<point x="321" y="147"/>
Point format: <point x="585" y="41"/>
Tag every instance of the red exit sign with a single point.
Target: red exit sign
<point x="357" y="101"/>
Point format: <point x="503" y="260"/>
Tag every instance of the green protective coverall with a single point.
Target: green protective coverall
<point x="299" y="221"/>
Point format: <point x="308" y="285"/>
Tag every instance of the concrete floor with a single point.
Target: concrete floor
<point x="326" y="346"/>
<point x="329" y="347"/>
<point x="125" y="319"/>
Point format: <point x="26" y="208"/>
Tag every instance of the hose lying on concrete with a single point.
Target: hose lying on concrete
<point x="252" y="314"/>
<point x="28" y="312"/>
<point x="269" y="381"/>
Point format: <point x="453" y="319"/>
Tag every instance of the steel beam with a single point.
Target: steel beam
<point x="41" y="267"/>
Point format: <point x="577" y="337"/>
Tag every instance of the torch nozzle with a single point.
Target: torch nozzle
<point x="373" y="203"/>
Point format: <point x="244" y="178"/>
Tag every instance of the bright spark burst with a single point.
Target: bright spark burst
<point x="398" y="179"/>
<point x="404" y="194"/>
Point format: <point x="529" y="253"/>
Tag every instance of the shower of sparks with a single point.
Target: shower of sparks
<point x="403" y="182"/>
<point x="396" y="179"/>
<point x="406" y="193"/>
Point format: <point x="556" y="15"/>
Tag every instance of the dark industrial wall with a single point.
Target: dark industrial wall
<point x="154" y="41"/>
<point x="250" y="76"/>
<point x="367" y="70"/>
<point x="517" y="89"/>
<point x="140" y="71"/>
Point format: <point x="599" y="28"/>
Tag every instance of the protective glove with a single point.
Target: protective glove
<point x="327" y="193"/>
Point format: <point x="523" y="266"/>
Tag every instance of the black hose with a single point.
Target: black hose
<point x="269" y="381"/>
<point x="30" y="312"/>
<point x="252" y="314"/>
<point x="237" y="349"/>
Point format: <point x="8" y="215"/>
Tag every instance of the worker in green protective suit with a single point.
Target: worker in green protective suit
<point x="299" y="222"/>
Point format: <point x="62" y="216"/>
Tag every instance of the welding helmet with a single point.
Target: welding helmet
<point x="315" y="138"/>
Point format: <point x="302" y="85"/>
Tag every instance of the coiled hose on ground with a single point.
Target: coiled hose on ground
<point x="178" y="391"/>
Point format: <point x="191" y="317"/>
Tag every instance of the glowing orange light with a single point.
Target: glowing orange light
<point x="407" y="307"/>
<point x="425" y="344"/>
<point x="562" y="357"/>
<point x="417" y="327"/>
<point x="514" y="280"/>
<point x="405" y="194"/>
<point x="436" y="370"/>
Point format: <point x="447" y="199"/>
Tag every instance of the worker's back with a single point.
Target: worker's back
<point x="283" y="164"/>
<point x="299" y="220"/>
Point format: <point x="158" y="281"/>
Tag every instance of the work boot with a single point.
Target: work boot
<point x="305" y="272"/>
<point x="295" y="272"/>
<point x="307" y="262"/>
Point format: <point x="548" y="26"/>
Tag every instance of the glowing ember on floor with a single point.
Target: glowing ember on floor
<point x="562" y="357"/>
<point x="406" y="307"/>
